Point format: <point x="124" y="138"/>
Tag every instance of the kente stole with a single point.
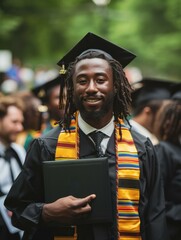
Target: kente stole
<point x="128" y="173"/>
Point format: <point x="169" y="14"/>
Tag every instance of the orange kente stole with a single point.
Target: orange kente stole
<point x="128" y="173"/>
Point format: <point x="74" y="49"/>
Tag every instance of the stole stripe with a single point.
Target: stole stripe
<point x="128" y="188"/>
<point x="128" y="183"/>
<point x="126" y="141"/>
<point x="126" y="224"/>
<point x="130" y="238"/>
<point x="126" y="165"/>
<point x="128" y="202"/>
<point x="125" y="154"/>
<point x="66" y="145"/>
<point x="127" y="148"/>
<point x="129" y="173"/>
<point x="128" y="193"/>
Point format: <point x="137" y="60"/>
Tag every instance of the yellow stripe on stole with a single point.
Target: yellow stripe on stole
<point x="126" y="139"/>
<point x="126" y="134"/>
<point x="65" y="151"/>
<point x="129" y="173"/>
<point x="125" y="193"/>
<point x="126" y="147"/>
<point x="126" y="225"/>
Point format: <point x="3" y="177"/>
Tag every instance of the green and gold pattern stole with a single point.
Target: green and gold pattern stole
<point x="128" y="173"/>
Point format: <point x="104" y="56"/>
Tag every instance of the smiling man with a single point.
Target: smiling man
<point x="98" y="98"/>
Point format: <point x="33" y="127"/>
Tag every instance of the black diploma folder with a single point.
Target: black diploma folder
<point x="80" y="178"/>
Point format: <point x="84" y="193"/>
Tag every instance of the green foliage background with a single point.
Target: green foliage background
<point x="41" y="32"/>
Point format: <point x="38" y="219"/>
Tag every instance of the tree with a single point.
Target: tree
<point x="152" y="29"/>
<point x="41" y="32"/>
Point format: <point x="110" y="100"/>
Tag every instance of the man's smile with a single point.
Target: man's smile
<point x="92" y="101"/>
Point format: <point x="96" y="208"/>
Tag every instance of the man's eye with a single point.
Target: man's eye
<point x="82" y="81"/>
<point x="100" y="80"/>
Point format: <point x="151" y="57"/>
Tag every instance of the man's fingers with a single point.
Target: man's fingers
<point x="82" y="202"/>
<point x="90" y="198"/>
<point x="87" y="200"/>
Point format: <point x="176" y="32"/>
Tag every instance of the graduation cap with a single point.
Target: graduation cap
<point x="43" y="90"/>
<point x="93" y="42"/>
<point x="151" y="89"/>
<point x="176" y="92"/>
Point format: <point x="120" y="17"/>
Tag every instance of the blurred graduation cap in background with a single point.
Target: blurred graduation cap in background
<point x="176" y="92"/>
<point x="151" y="89"/>
<point x="42" y="91"/>
<point x="91" y="42"/>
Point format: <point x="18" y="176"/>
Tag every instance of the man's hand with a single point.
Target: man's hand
<point x="68" y="209"/>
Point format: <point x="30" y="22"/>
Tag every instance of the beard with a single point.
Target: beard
<point x="93" y="113"/>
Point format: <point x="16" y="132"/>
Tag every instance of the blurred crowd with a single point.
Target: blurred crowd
<point x="20" y="77"/>
<point x="29" y="107"/>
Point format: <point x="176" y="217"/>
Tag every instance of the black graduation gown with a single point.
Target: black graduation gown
<point x="26" y="197"/>
<point x="169" y="156"/>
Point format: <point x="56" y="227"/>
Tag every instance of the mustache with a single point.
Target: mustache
<point x="91" y="97"/>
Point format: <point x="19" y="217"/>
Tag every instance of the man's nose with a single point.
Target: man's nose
<point x="92" y="87"/>
<point x="19" y="127"/>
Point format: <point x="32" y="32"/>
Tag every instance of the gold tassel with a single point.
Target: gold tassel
<point x="62" y="70"/>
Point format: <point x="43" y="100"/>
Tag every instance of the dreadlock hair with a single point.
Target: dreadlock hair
<point x="170" y="123"/>
<point x="122" y="98"/>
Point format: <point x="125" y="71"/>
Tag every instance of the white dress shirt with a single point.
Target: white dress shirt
<point x="108" y="130"/>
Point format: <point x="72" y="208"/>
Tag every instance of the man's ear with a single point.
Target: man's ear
<point x="147" y="110"/>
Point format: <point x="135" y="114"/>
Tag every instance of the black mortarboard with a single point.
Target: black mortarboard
<point x="43" y="90"/>
<point x="176" y="91"/>
<point x="94" y="42"/>
<point x="151" y="89"/>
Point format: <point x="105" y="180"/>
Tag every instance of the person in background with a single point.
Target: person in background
<point x="98" y="98"/>
<point x="49" y="95"/>
<point x="33" y="118"/>
<point x="168" y="132"/>
<point x="146" y="101"/>
<point x="12" y="157"/>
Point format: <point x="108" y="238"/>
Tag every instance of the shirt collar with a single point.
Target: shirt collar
<point x="2" y="148"/>
<point x="86" y="128"/>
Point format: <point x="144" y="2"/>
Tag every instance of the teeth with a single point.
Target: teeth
<point x="91" y="100"/>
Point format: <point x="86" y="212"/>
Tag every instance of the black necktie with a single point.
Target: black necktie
<point x="97" y="137"/>
<point x="8" y="155"/>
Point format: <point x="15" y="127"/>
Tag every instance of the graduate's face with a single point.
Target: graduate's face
<point x="94" y="90"/>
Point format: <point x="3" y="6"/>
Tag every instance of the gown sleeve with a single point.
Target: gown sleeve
<point x="26" y="197"/>
<point x="152" y="203"/>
